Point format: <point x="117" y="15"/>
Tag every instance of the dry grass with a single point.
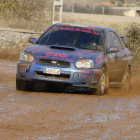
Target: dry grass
<point x="116" y="22"/>
<point x="10" y="54"/>
<point x="36" y="26"/>
<point x="39" y="25"/>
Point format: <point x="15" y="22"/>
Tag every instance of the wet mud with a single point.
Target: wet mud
<point x="66" y="114"/>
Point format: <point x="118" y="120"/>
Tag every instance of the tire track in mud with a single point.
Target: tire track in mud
<point x="70" y="115"/>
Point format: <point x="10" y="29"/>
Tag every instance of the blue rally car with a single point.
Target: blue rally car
<point x="76" y="55"/>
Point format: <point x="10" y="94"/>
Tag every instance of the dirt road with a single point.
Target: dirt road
<point x="64" y="116"/>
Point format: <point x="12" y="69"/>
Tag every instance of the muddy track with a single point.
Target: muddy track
<point x="70" y="115"/>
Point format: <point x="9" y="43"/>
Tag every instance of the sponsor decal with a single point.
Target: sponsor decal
<point x="97" y="72"/>
<point x="97" y="77"/>
<point x="56" y="54"/>
<point x="30" y="39"/>
<point x="86" y="31"/>
<point x="84" y="71"/>
<point x="56" y="28"/>
<point x="22" y="69"/>
<point x="23" y="65"/>
<point x="67" y="29"/>
<point x="100" y="61"/>
<point x="77" y="29"/>
<point x="97" y="32"/>
<point x="33" y="63"/>
<point x="34" y="50"/>
<point x="85" y="76"/>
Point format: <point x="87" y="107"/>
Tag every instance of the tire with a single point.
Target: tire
<point x="22" y="85"/>
<point x="126" y="82"/>
<point x="102" y="84"/>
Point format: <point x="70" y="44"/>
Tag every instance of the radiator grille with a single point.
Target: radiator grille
<point x="51" y="62"/>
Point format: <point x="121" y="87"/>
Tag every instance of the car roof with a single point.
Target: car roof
<point x="84" y="25"/>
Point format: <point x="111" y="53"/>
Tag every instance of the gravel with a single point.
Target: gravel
<point x="11" y="39"/>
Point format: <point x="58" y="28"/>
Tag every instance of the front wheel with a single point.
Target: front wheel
<point x="125" y="84"/>
<point x="102" y="84"/>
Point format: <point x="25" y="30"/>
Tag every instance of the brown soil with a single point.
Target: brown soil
<point x="68" y="115"/>
<point x="10" y="54"/>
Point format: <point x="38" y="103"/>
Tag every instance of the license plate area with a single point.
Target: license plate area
<point x="51" y="71"/>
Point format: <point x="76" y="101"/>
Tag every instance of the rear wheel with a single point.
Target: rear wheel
<point x="102" y="84"/>
<point x="22" y="85"/>
<point x="125" y="85"/>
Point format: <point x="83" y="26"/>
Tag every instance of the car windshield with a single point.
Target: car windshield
<point x="71" y="36"/>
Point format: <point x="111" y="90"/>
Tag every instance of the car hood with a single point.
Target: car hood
<point x="61" y="52"/>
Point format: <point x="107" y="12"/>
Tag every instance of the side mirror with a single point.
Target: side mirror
<point x="32" y="40"/>
<point x="123" y="39"/>
<point x="113" y="49"/>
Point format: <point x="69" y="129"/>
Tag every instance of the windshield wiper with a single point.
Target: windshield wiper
<point x="76" y="37"/>
<point x="95" y="41"/>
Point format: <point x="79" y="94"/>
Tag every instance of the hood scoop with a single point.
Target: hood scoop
<point x="63" y="48"/>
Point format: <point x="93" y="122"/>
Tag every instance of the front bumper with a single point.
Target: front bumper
<point x="70" y="76"/>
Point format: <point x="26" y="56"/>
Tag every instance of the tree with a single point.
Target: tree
<point x="112" y="1"/>
<point x="122" y="1"/>
<point x="119" y="4"/>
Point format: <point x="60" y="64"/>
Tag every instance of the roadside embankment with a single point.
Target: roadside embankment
<point x="12" y="42"/>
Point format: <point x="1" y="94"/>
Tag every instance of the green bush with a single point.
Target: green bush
<point x="133" y="38"/>
<point x="122" y="1"/>
<point x="138" y="3"/>
<point x="113" y="1"/>
<point x="119" y="4"/>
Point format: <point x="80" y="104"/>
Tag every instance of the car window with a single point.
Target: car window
<point x="89" y="41"/>
<point x="86" y="40"/>
<point x="83" y="38"/>
<point x="117" y="41"/>
<point x="110" y="40"/>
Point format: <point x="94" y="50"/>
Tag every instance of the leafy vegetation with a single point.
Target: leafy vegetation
<point x="119" y="4"/>
<point x="112" y="1"/>
<point x="133" y="38"/>
<point x="122" y="1"/>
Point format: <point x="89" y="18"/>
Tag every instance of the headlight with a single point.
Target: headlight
<point x="26" y="57"/>
<point x="84" y="64"/>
